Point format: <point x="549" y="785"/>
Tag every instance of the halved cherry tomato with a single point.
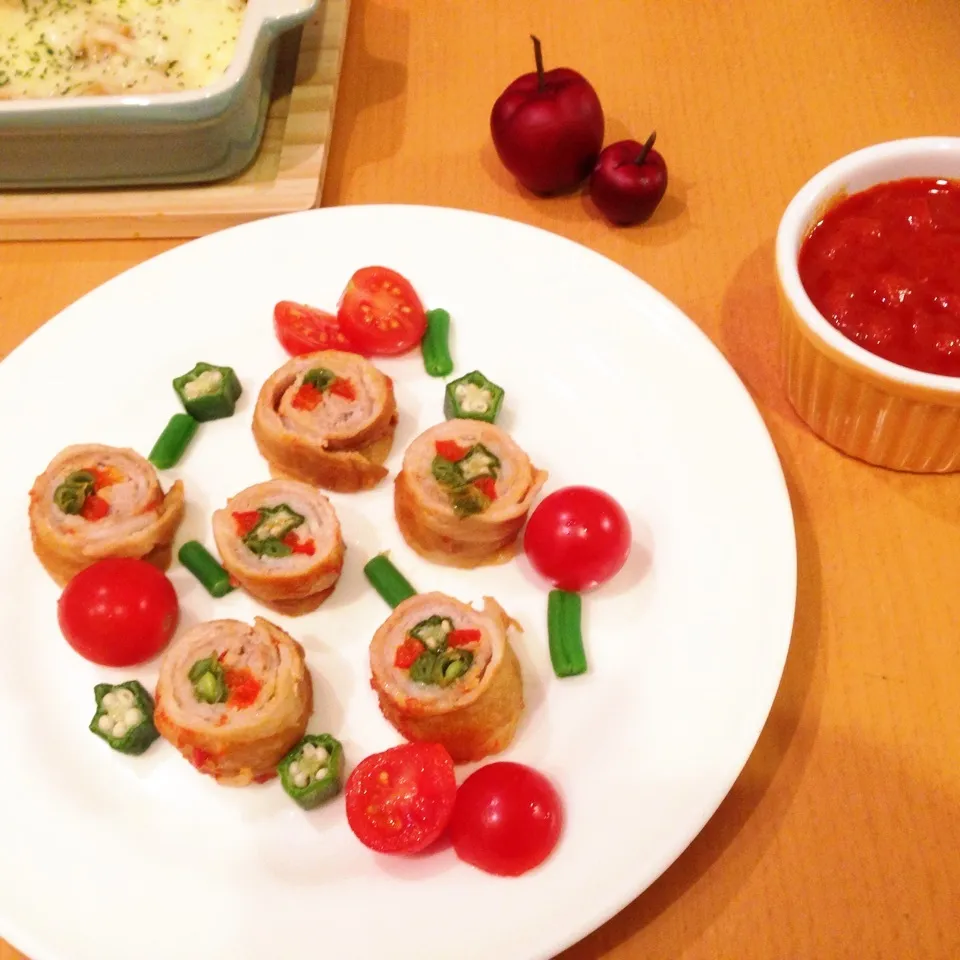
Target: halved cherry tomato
<point x="507" y="818"/>
<point x="577" y="538"/>
<point x="304" y="329"/>
<point x="381" y="313"/>
<point x="400" y="801"/>
<point x="118" y="612"/>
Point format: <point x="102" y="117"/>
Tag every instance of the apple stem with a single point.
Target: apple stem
<point x="647" y="147"/>
<point x="538" y="56"/>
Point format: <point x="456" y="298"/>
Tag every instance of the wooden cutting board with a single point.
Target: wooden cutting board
<point x="286" y="176"/>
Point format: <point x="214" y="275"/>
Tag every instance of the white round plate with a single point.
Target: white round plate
<point x="104" y="857"/>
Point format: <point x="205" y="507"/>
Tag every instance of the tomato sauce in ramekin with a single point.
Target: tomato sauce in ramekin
<point x="883" y="266"/>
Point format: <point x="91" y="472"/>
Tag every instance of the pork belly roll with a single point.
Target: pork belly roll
<point x="95" y="501"/>
<point x="234" y="699"/>
<point x="464" y="493"/>
<point x="327" y="418"/>
<point x="281" y="541"/>
<point x="446" y="673"/>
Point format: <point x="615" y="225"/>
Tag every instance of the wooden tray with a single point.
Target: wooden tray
<point x="286" y="176"/>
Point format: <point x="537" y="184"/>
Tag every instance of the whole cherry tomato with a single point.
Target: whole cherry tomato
<point x="507" y="818"/>
<point x="118" y="612"/>
<point x="577" y="538"/>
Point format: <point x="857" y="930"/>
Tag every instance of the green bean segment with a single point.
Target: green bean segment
<point x="435" y="345"/>
<point x="564" y="633"/>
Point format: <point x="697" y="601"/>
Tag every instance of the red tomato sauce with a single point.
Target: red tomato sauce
<point x="883" y="266"/>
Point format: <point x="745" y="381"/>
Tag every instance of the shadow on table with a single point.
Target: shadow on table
<point x="773" y="773"/>
<point x="750" y="338"/>
<point x="575" y="205"/>
<point x="372" y="100"/>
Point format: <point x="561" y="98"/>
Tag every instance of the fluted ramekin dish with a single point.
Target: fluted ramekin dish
<point x="864" y="405"/>
<point x="190" y="136"/>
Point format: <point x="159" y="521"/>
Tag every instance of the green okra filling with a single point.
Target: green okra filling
<point x="72" y="494"/>
<point x="458" y="477"/>
<point x="438" y="664"/>
<point x="276" y="523"/>
<point x="432" y="632"/>
<point x="441" y="667"/>
<point x="209" y="684"/>
<point x="124" y="716"/>
<point x="319" y="377"/>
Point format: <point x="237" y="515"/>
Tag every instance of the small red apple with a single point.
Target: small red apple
<point x="629" y="181"/>
<point x="547" y="128"/>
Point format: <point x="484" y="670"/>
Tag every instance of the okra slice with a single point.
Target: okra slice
<point x="208" y="392"/>
<point x="312" y="772"/>
<point x="124" y="716"/>
<point x="472" y="397"/>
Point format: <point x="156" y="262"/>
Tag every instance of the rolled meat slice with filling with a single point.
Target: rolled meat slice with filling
<point x="234" y="698"/>
<point x="464" y="493"/>
<point x="281" y="541"/>
<point x="327" y="418"/>
<point x="446" y="673"/>
<point x="95" y="501"/>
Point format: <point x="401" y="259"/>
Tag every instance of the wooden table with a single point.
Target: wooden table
<point x="839" y="839"/>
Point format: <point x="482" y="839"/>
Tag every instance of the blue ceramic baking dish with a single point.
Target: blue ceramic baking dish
<point x="167" y="138"/>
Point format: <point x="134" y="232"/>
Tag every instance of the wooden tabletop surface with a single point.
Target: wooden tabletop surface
<point x="840" y="837"/>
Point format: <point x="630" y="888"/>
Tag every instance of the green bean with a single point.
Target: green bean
<point x="563" y="630"/>
<point x="172" y="443"/>
<point x="435" y="345"/>
<point x="387" y="580"/>
<point x="198" y="560"/>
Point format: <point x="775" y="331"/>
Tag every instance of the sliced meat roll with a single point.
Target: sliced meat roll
<point x="328" y="419"/>
<point x="464" y="493"/>
<point x="233" y="699"/>
<point x="446" y="673"/>
<point x="281" y="540"/>
<point x="95" y="501"/>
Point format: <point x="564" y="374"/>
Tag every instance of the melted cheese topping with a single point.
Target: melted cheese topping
<point x="57" y="48"/>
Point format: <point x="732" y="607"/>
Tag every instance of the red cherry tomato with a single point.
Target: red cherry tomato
<point x="118" y="612"/>
<point x="507" y="819"/>
<point x="577" y="538"/>
<point x="381" y="312"/>
<point x="400" y="801"/>
<point x="303" y="329"/>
